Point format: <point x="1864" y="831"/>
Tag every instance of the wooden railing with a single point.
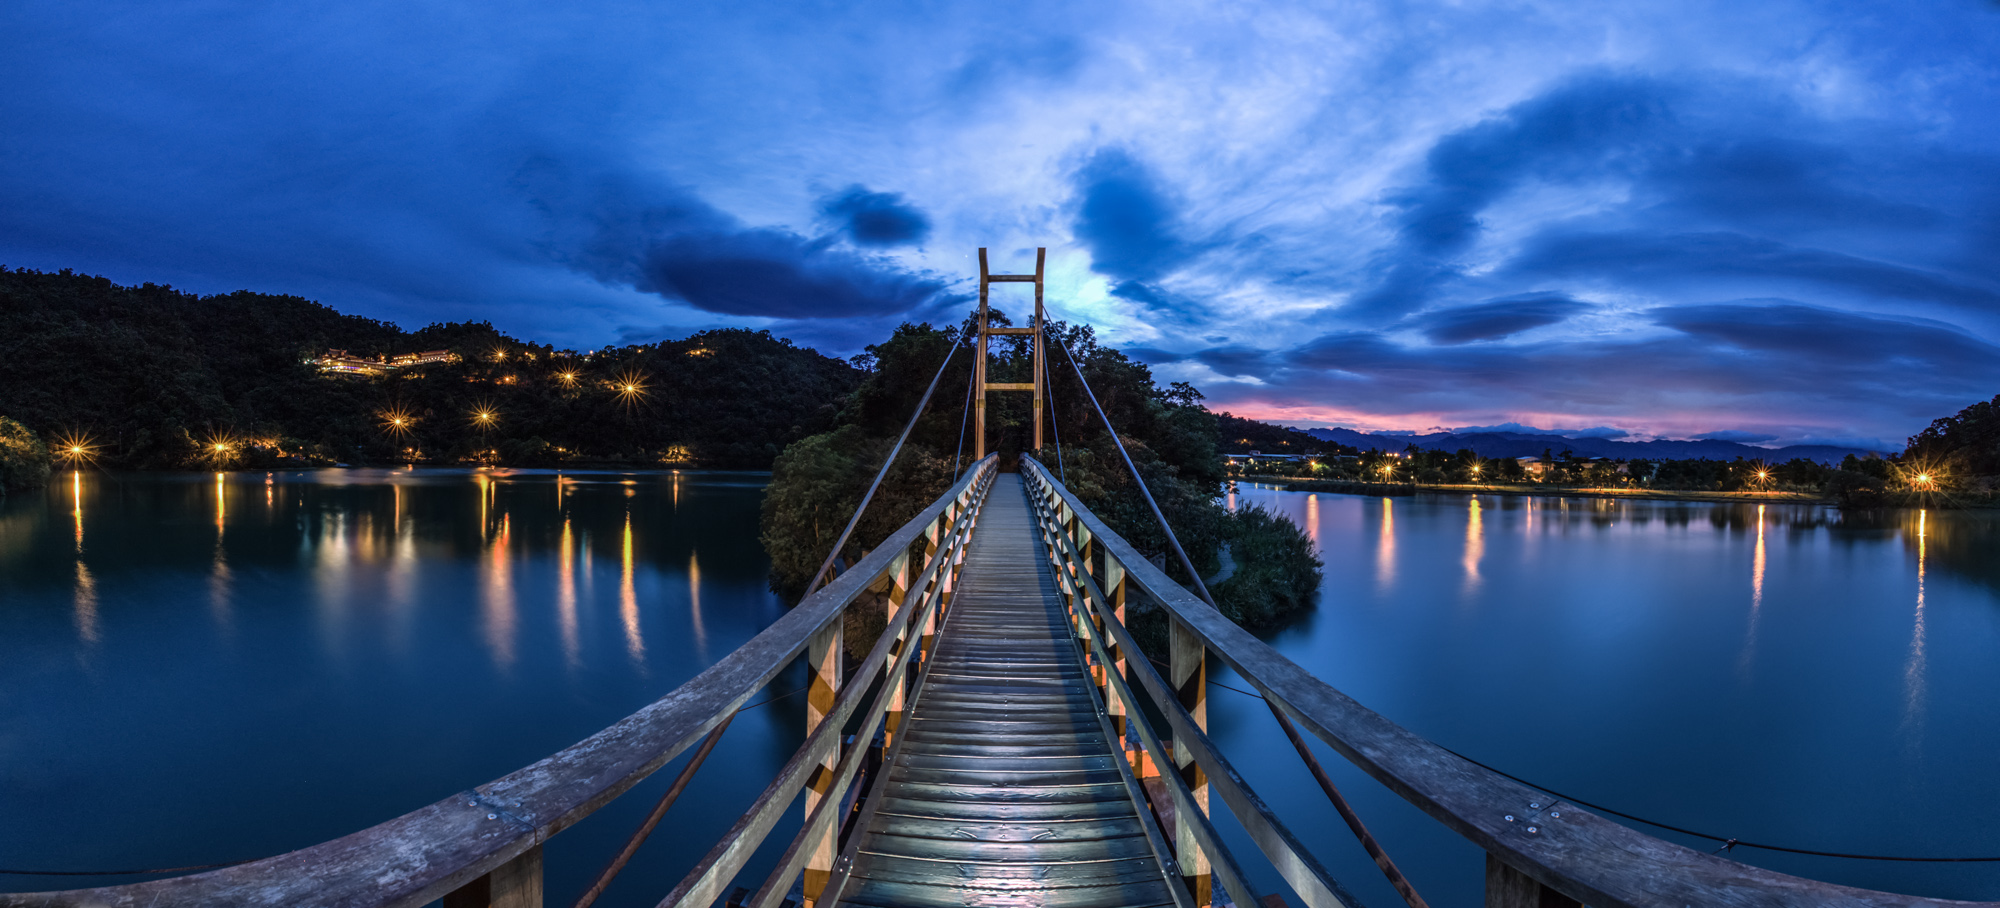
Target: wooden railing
<point x="482" y="847"/>
<point x="1533" y="856"/>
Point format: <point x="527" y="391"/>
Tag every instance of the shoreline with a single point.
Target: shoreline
<point x="1294" y="484"/>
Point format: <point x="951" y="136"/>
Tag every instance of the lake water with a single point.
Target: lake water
<point x="200" y="668"/>
<point x="197" y="668"/>
<point x="1775" y="673"/>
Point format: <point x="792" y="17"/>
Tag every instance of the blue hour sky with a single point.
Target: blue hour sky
<point x="1773" y="221"/>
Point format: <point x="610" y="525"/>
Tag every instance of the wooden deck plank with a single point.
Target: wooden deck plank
<point x="1005" y="790"/>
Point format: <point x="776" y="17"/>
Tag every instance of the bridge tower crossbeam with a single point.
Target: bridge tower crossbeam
<point x="987" y="331"/>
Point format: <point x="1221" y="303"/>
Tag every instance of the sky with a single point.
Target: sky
<point x="1772" y="222"/>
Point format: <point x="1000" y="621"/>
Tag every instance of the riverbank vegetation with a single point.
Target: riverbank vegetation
<point x="1955" y="462"/>
<point x="1171" y="437"/>
<point x="24" y="458"/>
<point x="149" y="377"/>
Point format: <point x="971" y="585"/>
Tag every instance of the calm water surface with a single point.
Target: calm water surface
<point x="201" y="668"/>
<point x="1780" y="674"/>
<point x="196" y="668"/>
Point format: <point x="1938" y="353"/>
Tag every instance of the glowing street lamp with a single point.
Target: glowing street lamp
<point x="566" y="379"/>
<point x="397" y="421"/>
<point x="631" y="386"/>
<point x="75" y="449"/>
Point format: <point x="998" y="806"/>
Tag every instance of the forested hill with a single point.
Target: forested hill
<point x="153" y="377"/>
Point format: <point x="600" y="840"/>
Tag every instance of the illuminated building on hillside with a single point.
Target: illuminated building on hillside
<point x="341" y="362"/>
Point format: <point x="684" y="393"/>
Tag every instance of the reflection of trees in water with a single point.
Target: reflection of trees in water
<point x="1961" y="543"/>
<point x="1737" y="516"/>
<point x="20" y="524"/>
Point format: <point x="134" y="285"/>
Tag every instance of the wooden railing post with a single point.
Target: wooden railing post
<point x="899" y="592"/>
<point x="1114" y="592"/>
<point x="1188" y="673"/>
<point x="947" y="576"/>
<point x="1510" y="888"/>
<point x="515" y="884"/>
<point x="823" y="655"/>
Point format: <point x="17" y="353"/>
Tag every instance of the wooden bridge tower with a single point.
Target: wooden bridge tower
<point x="980" y="384"/>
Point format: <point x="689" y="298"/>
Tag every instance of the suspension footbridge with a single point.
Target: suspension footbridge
<point x="1004" y="742"/>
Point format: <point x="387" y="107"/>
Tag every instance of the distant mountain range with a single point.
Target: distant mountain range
<point x="1523" y="444"/>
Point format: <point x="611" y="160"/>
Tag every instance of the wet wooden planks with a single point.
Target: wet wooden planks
<point x="1005" y="790"/>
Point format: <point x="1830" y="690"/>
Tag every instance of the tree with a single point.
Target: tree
<point x="1170" y="437"/>
<point x="24" y="459"/>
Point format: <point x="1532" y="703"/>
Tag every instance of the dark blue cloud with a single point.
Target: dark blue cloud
<point x="1745" y="178"/>
<point x="1830" y="338"/>
<point x="667" y="241"/>
<point x="1516" y="428"/>
<point x="1673" y="259"/>
<point x="875" y="218"/>
<point x="1126" y="218"/>
<point x="1736" y="435"/>
<point x="1584" y="128"/>
<point x="777" y="274"/>
<point x="1236" y="360"/>
<point x="1498" y="318"/>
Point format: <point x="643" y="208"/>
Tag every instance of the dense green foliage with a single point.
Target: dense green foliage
<point x="1277" y="573"/>
<point x="1966" y="444"/>
<point x="815" y="486"/>
<point x="24" y="459"/>
<point x="152" y="377"/>
<point x="1172" y="440"/>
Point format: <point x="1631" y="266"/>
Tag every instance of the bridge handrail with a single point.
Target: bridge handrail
<point x="1108" y="639"/>
<point x="423" y="855"/>
<point x="1579" y="855"/>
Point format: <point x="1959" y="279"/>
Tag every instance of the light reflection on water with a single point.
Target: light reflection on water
<point x="190" y="675"/>
<point x="1774" y="672"/>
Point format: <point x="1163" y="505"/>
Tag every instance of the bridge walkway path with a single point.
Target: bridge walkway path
<point x="1006" y="788"/>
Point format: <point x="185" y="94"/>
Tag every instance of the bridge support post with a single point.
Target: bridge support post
<point x="515" y="884"/>
<point x="823" y="653"/>
<point x="1510" y="888"/>
<point x="985" y="332"/>
<point x="1188" y="673"/>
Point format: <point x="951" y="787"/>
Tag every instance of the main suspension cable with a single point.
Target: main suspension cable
<point x="1172" y="540"/>
<point x="970" y="381"/>
<point x="1049" y="396"/>
<point x="820" y="578"/>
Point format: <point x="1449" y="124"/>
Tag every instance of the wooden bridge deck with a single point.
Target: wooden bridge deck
<point x="1006" y="789"/>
